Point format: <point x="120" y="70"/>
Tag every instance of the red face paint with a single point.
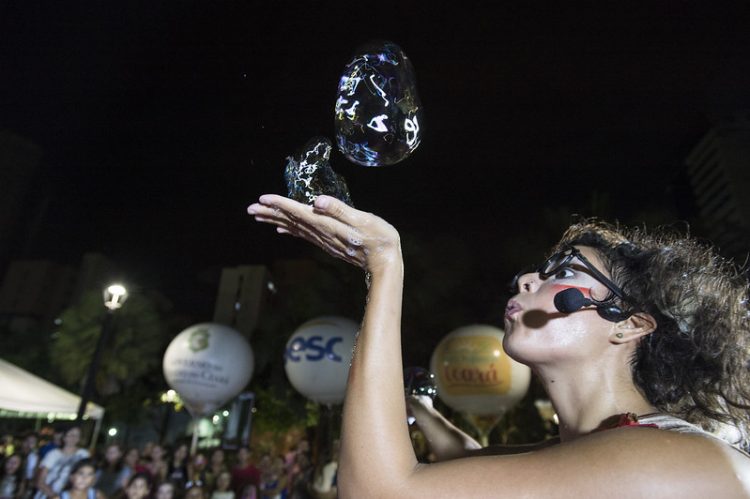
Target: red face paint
<point x="562" y="287"/>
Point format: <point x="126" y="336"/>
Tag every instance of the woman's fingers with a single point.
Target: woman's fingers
<point x="317" y="228"/>
<point x="355" y="236"/>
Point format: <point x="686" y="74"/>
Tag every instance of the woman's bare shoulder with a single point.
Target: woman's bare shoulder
<point x="627" y="462"/>
<point x="661" y="458"/>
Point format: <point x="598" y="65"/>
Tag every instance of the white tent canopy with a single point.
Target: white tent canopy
<point x="25" y="395"/>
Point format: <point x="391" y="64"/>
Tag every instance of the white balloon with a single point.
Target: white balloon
<point x="318" y="356"/>
<point x="473" y="373"/>
<point x="208" y="364"/>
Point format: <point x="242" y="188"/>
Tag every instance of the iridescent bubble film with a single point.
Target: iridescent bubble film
<point x="309" y="174"/>
<point x="419" y="381"/>
<point x="378" y="113"/>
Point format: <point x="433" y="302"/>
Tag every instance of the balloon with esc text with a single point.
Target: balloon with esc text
<point x="317" y="358"/>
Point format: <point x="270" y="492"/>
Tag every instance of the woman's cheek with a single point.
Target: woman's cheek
<point x="558" y="288"/>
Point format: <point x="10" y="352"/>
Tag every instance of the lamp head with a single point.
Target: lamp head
<point x="114" y="296"/>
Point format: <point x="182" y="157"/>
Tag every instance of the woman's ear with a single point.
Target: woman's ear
<point x="633" y="328"/>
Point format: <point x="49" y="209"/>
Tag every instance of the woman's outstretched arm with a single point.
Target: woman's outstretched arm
<point x="377" y="458"/>
<point x="374" y="431"/>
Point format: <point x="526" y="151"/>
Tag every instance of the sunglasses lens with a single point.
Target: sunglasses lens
<point x="554" y="263"/>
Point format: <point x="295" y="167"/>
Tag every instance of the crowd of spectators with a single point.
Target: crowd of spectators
<point x="59" y="468"/>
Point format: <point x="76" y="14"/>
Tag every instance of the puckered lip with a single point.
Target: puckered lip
<point x="512" y="309"/>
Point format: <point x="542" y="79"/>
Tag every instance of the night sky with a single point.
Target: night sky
<point x="161" y="121"/>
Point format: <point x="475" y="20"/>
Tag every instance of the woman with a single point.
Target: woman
<point x="81" y="482"/>
<point x="156" y="466"/>
<point x="177" y="472"/>
<point x="130" y="466"/>
<point x="55" y="467"/>
<point x="649" y="327"/>
<point x="138" y="486"/>
<point x="12" y="483"/>
<point x="223" y="488"/>
<point x="165" y="490"/>
<point x="112" y="473"/>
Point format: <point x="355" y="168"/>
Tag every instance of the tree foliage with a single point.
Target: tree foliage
<point x="130" y="365"/>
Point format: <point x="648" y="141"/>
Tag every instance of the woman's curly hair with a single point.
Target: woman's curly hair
<point x="696" y="364"/>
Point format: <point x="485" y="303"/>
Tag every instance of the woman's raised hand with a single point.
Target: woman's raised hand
<point x="360" y="238"/>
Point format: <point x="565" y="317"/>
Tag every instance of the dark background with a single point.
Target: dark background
<point x="161" y="121"/>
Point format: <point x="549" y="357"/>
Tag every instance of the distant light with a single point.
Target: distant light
<point x="215" y="419"/>
<point x="225" y="414"/>
<point x="112" y="432"/>
<point x="114" y="296"/>
<point x="271" y="287"/>
<point x="496" y="353"/>
<point x="58" y="321"/>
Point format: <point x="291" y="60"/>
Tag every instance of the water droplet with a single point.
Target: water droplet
<point x="378" y="113"/>
<point x="309" y="174"/>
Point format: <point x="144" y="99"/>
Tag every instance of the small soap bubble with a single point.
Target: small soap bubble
<point x="378" y="113"/>
<point x="308" y="174"/>
<point x="419" y="381"/>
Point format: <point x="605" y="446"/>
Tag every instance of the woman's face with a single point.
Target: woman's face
<point x="83" y="478"/>
<point x="137" y="489"/>
<point x="131" y="458"/>
<point x="112" y="454"/>
<point x="12" y="464"/>
<point x="72" y="437"/>
<point x="217" y="457"/>
<point x="537" y="333"/>
<point x="157" y="453"/>
<point x="165" y="491"/>
<point x="224" y="481"/>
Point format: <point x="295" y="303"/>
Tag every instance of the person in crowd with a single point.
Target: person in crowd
<point x="157" y="465"/>
<point x="138" y="486"/>
<point x="177" y="471"/>
<point x="299" y="476"/>
<point x="111" y="474"/>
<point x="324" y="479"/>
<point x="81" y="482"/>
<point x="130" y="466"/>
<point x="245" y="475"/>
<point x="54" y="440"/>
<point x="30" y="457"/>
<point x="223" y="489"/>
<point x="165" y="490"/>
<point x="641" y="341"/>
<point x="216" y="466"/>
<point x="55" y="467"/>
<point x="12" y="482"/>
<point x="273" y="478"/>
<point x="195" y="492"/>
<point x="196" y="470"/>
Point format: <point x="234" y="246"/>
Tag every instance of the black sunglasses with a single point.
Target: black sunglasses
<point x="561" y="259"/>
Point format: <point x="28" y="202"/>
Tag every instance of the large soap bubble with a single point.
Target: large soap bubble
<point x="378" y="113"/>
<point x="309" y="174"/>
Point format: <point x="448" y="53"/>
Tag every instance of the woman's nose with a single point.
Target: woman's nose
<point x="528" y="283"/>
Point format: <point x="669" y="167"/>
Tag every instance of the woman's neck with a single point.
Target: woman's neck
<point x="79" y="493"/>
<point x="587" y="398"/>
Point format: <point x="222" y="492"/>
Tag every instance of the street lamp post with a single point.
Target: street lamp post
<point x="114" y="296"/>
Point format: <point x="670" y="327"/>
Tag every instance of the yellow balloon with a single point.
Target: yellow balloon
<point x="473" y="373"/>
